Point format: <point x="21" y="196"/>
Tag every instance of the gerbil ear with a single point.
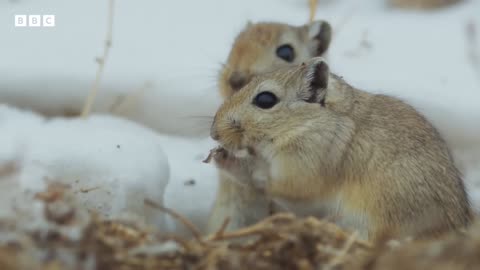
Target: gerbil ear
<point x="249" y="24"/>
<point x="319" y="36"/>
<point x="315" y="80"/>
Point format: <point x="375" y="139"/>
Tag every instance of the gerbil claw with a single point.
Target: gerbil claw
<point x="218" y="153"/>
<point x="212" y="153"/>
<point x="208" y="158"/>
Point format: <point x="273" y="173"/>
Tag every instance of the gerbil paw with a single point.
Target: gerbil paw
<point x="223" y="159"/>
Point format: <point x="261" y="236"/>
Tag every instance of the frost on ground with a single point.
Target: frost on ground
<point x="111" y="164"/>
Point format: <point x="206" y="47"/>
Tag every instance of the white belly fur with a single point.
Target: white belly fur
<point x="332" y="210"/>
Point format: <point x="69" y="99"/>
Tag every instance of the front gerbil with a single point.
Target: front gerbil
<point x="262" y="47"/>
<point x="371" y="161"/>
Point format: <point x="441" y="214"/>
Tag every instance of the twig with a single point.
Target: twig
<point x="472" y="52"/>
<point x="196" y="233"/>
<point x="257" y="228"/>
<point x="222" y="229"/>
<point x="248" y="231"/>
<point x="313" y="8"/>
<point x="101" y="63"/>
<point x="86" y="190"/>
<point x="343" y="252"/>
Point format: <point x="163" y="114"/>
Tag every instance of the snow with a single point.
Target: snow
<point x="193" y="184"/>
<point x="177" y="48"/>
<point x="111" y="164"/>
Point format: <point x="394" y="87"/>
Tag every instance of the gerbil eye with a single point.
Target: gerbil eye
<point x="286" y="52"/>
<point x="265" y="100"/>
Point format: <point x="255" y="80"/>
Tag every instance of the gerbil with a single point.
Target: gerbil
<point x="263" y="47"/>
<point x="328" y="149"/>
<point x="260" y="48"/>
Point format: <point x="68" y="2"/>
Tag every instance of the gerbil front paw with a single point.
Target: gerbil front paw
<point x="247" y="169"/>
<point x="223" y="159"/>
<point x="238" y="166"/>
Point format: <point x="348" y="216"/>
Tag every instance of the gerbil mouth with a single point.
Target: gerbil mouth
<point x="244" y="152"/>
<point x="241" y="152"/>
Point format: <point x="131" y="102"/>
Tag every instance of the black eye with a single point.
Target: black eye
<point x="286" y="52"/>
<point x="265" y="100"/>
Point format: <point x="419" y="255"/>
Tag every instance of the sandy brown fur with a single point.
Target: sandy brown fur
<point x="253" y="53"/>
<point x="253" y="50"/>
<point x="371" y="159"/>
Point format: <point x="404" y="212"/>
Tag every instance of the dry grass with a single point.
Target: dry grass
<point x="278" y="242"/>
<point x="312" y="4"/>
<point x="281" y="241"/>
<point x="101" y="63"/>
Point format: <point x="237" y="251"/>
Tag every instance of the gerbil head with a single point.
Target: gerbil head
<point x="263" y="47"/>
<point x="278" y="106"/>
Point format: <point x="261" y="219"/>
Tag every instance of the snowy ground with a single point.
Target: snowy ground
<point x="94" y="157"/>
<point x="178" y="46"/>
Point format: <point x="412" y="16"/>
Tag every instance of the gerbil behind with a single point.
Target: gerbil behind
<point x="263" y="47"/>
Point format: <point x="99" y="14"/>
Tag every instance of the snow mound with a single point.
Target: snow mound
<point x="111" y="164"/>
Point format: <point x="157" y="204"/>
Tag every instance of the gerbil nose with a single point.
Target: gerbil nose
<point x="237" y="80"/>
<point x="214" y="132"/>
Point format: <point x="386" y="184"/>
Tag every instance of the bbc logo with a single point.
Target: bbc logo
<point x="34" y="20"/>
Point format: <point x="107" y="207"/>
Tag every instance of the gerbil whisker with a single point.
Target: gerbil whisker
<point x="209" y="88"/>
<point x="201" y="123"/>
<point x="200" y="120"/>
<point x="200" y="116"/>
<point x="223" y="65"/>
